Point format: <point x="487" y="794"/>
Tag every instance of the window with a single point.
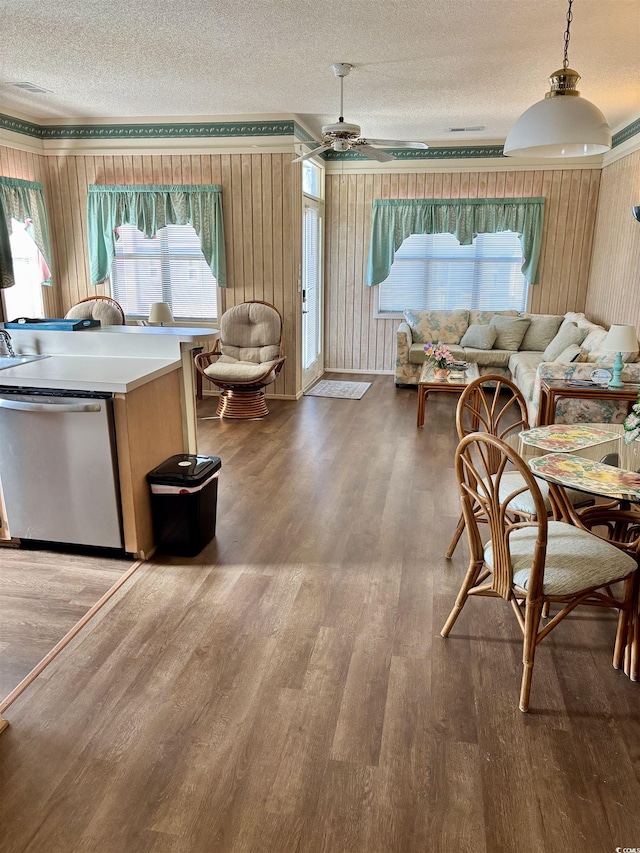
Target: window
<point x="311" y="179"/>
<point x="169" y="267"/>
<point x="24" y="299"/>
<point x="433" y="271"/>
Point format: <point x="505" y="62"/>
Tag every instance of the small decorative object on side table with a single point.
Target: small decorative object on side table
<point x="440" y="358"/>
<point x="620" y="339"/>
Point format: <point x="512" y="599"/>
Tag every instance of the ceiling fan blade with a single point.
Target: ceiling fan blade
<point x="395" y="143"/>
<point x="373" y="153"/>
<point x="315" y="151"/>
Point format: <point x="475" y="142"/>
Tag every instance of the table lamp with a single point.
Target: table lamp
<point x="620" y="339"/>
<point x="160" y="313"/>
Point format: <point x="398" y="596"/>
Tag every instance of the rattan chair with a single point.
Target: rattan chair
<point x="247" y="358"/>
<point x="103" y="308"/>
<point x="531" y="563"/>
<point x="483" y="407"/>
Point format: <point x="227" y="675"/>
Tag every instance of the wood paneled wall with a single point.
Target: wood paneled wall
<point x="262" y="220"/>
<point x="357" y="341"/>
<point x="614" y="285"/>
<point x="262" y="228"/>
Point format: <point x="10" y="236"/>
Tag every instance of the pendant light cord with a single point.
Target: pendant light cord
<point x="567" y="35"/>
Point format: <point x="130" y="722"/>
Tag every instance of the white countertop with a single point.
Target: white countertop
<point x="181" y="333"/>
<point x="88" y="373"/>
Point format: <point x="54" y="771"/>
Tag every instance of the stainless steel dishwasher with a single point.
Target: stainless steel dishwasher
<point x="58" y="466"/>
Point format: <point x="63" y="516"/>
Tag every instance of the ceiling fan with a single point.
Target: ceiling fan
<point x="343" y="136"/>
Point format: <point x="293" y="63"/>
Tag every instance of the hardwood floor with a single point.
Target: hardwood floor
<point x="42" y="596"/>
<point x="287" y="691"/>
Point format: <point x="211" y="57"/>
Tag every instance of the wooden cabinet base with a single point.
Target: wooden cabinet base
<point x="148" y="425"/>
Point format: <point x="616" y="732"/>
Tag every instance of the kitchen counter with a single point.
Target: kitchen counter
<point x="88" y="373"/>
<point x="150" y="375"/>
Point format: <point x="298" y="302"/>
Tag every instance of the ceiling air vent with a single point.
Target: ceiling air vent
<point x="465" y="129"/>
<point x="31" y="87"/>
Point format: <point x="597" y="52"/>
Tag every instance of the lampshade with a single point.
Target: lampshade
<point x="563" y="124"/>
<point x="621" y="339"/>
<point x="559" y="127"/>
<point x="160" y="313"/>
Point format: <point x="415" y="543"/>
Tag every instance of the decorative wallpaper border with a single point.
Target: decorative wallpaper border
<point x="431" y="153"/>
<point x="204" y="130"/>
<point x="626" y="133"/>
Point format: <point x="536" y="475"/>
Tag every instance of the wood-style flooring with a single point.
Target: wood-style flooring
<point x="288" y="691"/>
<point x="43" y="594"/>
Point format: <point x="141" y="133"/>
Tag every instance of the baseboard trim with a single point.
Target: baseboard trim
<point x="352" y="370"/>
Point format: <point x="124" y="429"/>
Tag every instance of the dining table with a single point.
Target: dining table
<point x="593" y="459"/>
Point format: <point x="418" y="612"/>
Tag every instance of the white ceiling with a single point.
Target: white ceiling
<point x="421" y="66"/>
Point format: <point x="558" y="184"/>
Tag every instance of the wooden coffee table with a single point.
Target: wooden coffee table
<point x="455" y="383"/>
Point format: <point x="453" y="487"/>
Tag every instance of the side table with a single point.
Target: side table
<point x="455" y="383"/>
<point x="553" y="390"/>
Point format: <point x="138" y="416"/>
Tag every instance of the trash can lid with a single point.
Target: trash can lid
<point x="185" y="469"/>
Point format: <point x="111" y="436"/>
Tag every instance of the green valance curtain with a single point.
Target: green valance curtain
<point x="395" y="220"/>
<point x="22" y="200"/>
<point x="150" y="208"/>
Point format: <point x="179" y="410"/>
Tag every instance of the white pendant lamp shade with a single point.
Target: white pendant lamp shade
<point x="559" y="127"/>
<point x="563" y="124"/>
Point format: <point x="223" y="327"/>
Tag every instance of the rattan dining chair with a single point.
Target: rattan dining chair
<point x="533" y="562"/>
<point x="103" y="308"/>
<point x="483" y="407"/>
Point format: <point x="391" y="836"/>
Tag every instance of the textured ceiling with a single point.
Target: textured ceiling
<point x="421" y="66"/>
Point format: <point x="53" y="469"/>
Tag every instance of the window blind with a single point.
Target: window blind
<point x="169" y="267"/>
<point x="433" y="271"/>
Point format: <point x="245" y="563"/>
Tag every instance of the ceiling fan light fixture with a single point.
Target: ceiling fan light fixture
<point x="563" y="124"/>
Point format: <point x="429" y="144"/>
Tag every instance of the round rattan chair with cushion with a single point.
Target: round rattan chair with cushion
<point x="102" y="308"/>
<point x="247" y="358"/>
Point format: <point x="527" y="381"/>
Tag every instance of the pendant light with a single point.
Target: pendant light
<point x="563" y="124"/>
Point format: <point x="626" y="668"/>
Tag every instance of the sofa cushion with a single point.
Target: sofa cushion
<point x="488" y="357"/>
<point x="483" y="318"/>
<point x="524" y="362"/>
<point x="569" y="334"/>
<point x="523" y="367"/>
<point x="574" y="317"/>
<point x="511" y="331"/>
<point x="479" y="337"/>
<point x="571" y="353"/>
<point x="417" y="354"/>
<point x="445" y="326"/>
<point x="543" y="329"/>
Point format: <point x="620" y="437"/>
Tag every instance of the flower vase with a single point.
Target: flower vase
<point x="440" y="374"/>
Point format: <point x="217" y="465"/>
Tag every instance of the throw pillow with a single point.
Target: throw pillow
<point x="511" y="331"/>
<point x="571" y="353"/>
<point x="543" y="329"/>
<point x="445" y="326"/>
<point x="569" y="334"/>
<point x="479" y="337"/>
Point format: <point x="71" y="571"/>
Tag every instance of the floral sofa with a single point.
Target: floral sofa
<point x="525" y="361"/>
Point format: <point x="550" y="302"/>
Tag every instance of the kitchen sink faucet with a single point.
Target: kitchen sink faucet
<point x="7" y="341"/>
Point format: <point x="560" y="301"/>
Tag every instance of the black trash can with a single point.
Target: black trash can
<point x="184" y="499"/>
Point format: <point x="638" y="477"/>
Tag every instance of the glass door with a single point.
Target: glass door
<point x="312" y="331"/>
